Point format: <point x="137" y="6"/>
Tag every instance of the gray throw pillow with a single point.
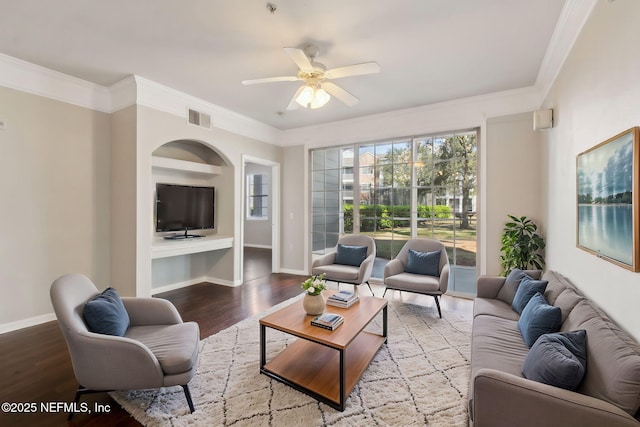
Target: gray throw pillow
<point x="558" y="359"/>
<point x="538" y="318"/>
<point x="427" y="263"/>
<point x="350" y="255"/>
<point x="527" y="288"/>
<point x="105" y="314"/>
<point x="510" y="286"/>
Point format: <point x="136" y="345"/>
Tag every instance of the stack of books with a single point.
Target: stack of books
<point x="343" y="299"/>
<point x="328" y="321"/>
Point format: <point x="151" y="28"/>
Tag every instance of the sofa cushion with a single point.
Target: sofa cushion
<point x="556" y="285"/>
<point x="538" y="318"/>
<point x="105" y="314"/>
<point x="566" y="301"/>
<point x="496" y="343"/>
<point x="175" y="346"/>
<point x="350" y="255"/>
<point x="427" y="263"/>
<point x="558" y="359"/>
<point x="493" y="307"/>
<point x="511" y="283"/>
<point x="613" y="370"/>
<point x="527" y="288"/>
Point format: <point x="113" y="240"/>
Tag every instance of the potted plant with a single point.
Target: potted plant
<point x="314" y="301"/>
<point x="521" y="245"/>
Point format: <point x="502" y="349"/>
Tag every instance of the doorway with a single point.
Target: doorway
<point x="260" y="217"/>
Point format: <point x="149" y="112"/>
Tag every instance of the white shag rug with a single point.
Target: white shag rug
<point x="420" y="376"/>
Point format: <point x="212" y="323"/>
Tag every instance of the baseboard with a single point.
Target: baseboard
<point x="296" y="272"/>
<point x="25" y="323"/>
<point x="252" y="245"/>
<point x="200" y="279"/>
<point x="224" y="282"/>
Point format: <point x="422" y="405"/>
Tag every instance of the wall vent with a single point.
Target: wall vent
<point x="198" y="118"/>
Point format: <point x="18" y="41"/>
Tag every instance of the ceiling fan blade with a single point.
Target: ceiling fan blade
<point x="300" y="58"/>
<point x="353" y="70"/>
<point x="340" y="93"/>
<point x="270" y="80"/>
<point x="293" y="105"/>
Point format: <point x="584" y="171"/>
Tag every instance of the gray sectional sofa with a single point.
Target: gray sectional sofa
<point x="500" y="395"/>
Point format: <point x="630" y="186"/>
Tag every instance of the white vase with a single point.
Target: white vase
<point x="313" y="304"/>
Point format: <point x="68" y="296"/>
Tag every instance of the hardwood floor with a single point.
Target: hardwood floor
<point x="36" y="367"/>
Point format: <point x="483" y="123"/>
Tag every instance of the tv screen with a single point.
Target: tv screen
<point x="183" y="207"/>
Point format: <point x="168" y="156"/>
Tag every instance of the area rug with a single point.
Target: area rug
<point x="419" y="377"/>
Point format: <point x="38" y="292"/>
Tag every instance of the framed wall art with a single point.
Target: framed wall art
<point x="608" y="199"/>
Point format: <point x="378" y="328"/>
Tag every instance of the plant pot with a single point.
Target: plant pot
<point x="313" y="304"/>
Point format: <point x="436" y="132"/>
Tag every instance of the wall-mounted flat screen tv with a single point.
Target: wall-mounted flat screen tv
<point x="184" y="207"/>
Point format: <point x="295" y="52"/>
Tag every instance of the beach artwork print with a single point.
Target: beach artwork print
<point x="607" y="200"/>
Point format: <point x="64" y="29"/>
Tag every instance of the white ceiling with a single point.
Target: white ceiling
<point x="429" y="50"/>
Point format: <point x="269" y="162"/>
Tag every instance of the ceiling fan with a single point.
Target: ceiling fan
<point x="316" y="90"/>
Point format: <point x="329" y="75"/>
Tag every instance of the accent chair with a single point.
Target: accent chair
<point x="156" y="350"/>
<point x="422" y="267"/>
<point x="350" y="263"/>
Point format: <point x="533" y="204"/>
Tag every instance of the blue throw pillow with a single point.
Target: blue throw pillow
<point x="351" y="255"/>
<point x="538" y="318"/>
<point x="558" y="359"/>
<point x="528" y="288"/>
<point x="427" y="263"/>
<point x="105" y="314"/>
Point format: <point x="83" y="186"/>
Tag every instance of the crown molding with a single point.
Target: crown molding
<point x="443" y="116"/>
<point x="34" y="79"/>
<point x="37" y="80"/>
<point x="572" y="18"/>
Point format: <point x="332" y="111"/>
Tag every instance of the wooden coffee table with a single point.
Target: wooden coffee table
<point x="324" y="364"/>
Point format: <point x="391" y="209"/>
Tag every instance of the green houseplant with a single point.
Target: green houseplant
<point x="521" y="245"/>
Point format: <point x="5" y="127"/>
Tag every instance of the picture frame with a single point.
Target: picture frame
<point x="608" y="199"/>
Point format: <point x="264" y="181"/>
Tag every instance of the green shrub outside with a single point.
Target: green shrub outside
<point x="380" y="217"/>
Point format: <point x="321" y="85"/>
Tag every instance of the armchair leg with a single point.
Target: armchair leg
<point x="369" y="285"/>
<point x="385" y="292"/>
<point x="82" y="390"/>
<point x="187" y="394"/>
<point x="438" y="304"/>
<point x="79" y="392"/>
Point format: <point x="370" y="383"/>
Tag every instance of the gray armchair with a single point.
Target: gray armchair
<point x="396" y="278"/>
<point x="341" y="273"/>
<point x="157" y="350"/>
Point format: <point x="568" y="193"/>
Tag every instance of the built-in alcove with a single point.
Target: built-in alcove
<point x="177" y="263"/>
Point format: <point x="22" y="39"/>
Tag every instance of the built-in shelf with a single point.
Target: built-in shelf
<point x="163" y="248"/>
<point x="184" y="166"/>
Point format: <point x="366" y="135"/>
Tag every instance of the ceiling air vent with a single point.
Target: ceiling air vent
<point x="199" y="119"/>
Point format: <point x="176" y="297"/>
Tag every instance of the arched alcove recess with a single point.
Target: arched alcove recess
<point x="178" y="263"/>
<point x="191" y="150"/>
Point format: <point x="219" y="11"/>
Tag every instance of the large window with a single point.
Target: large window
<point x="396" y="190"/>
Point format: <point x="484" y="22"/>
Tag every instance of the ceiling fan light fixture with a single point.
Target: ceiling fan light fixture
<point x="321" y="98"/>
<point x="313" y="96"/>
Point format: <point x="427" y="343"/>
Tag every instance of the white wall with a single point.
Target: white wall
<point x="54" y="214"/>
<point x="513" y="179"/>
<point x="595" y="96"/>
<point x="295" y="211"/>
